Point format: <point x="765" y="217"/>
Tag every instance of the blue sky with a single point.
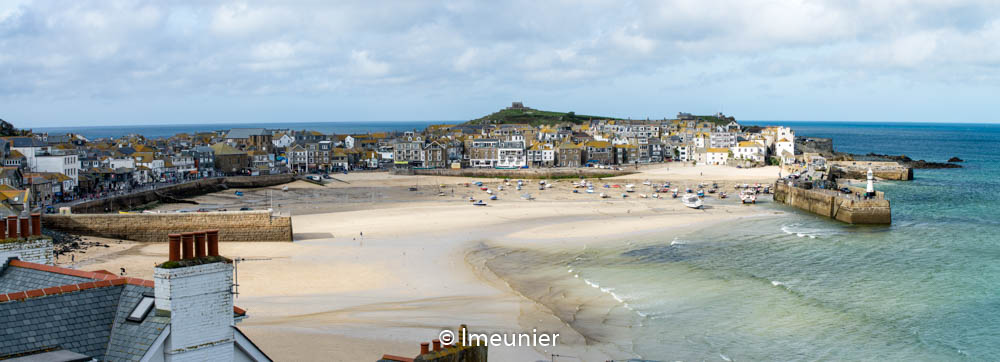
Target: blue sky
<point x="110" y="62"/>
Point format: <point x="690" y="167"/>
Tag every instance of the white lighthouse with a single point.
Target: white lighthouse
<point x="870" y="190"/>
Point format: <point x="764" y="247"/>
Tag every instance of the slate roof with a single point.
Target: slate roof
<point x="45" y="307"/>
<point x="239" y="133"/>
<point x="16" y="279"/>
<point x="79" y="321"/>
<point x="24" y="142"/>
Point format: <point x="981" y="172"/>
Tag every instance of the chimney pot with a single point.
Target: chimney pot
<point x="3" y="229"/>
<point x="12" y="227"/>
<point x="213" y="242"/>
<point x="25" y="233"/>
<point x="437" y="344"/>
<point x="424" y="347"/>
<point x="36" y="224"/>
<point x="199" y="244"/>
<point x="175" y="247"/>
<point x="187" y="243"/>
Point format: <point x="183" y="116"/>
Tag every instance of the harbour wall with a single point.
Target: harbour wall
<point x="553" y="173"/>
<point x="178" y="191"/>
<point x="830" y="204"/>
<point x="858" y="170"/>
<point x="232" y="225"/>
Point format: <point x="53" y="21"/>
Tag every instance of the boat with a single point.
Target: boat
<point x="499" y="188"/>
<point x="284" y="188"/>
<point x="494" y="197"/>
<point x="643" y="196"/>
<point x="647" y="183"/>
<point x="590" y="190"/>
<point x="490" y="192"/>
<point x="441" y="194"/>
<point x="479" y="203"/>
<point x="413" y="189"/>
<point x="471" y="199"/>
<point x="722" y="195"/>
<point x="692" y="201"/>
<point x="239" y="193"/>
<point x="674" y="194"/>
<point x="701" y="193"/>
<point x="604" y="195"/>
<point x="748" y="197"/>
<point x="527" y="197"/>
<point x="688" y="190"/>
<point x="624" y="195"/>
<point x="656" y="196"/>
<point x="712" y="190"/>
<point x="630" y="188"/>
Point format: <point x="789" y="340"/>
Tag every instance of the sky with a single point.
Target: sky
<point x="112" y="62"/>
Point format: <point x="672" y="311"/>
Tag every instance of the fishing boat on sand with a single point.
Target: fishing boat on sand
<point x="479" y="203"/>
<point x="748" y="197"/>
<point x="692" y="201"/>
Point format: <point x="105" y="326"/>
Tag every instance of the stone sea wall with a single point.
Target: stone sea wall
<point x="184" y="190"/>
<point x="846" y="209"/>
<point x="858" y="170"/>
<point x="232" y="225"/>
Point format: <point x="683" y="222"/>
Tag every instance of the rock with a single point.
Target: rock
<point x="955" y="159"/>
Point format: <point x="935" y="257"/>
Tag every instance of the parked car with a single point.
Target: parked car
<point x="246" y="209"/>
<point x="845" y="190"/>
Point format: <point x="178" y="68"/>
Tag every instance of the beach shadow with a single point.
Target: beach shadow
<point x="311" y="236"/>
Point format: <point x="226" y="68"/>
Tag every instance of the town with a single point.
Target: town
<point x="45" y="170"/>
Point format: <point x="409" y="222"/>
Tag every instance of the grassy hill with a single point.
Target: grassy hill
<point x="533" y="117"/>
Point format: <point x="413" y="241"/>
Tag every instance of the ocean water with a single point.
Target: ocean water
<point x="801" y="287"/>
<point x="156" y="131"/>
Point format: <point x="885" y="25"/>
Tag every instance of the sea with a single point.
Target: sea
<point x="796" y="286"/>
<point x="164" y="131"/>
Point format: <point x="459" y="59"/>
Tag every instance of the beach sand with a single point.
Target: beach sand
<point x="376" y="268"/>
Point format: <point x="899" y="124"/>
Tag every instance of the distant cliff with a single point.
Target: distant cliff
<point x="8" y="130"/>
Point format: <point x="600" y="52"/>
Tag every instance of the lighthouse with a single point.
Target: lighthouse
<point x="870" y="190"/>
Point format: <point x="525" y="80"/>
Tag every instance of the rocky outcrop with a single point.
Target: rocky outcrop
<point x="955" y="159"/>
<point x="909" y="162"/>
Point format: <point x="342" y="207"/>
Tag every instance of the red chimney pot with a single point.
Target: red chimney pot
<point x="36" y="224"/>
<point x="424" y="347"/>
<point x="187" y="245"/>
<point x="437" y="344"/>
<point x="25" y="233"/>
<point x="213" y="242"/>
<point x="12" y="227"/>
<point x="199" y="244"/>
<point x="175" y="247"/>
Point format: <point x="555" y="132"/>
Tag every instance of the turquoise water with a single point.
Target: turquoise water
<point x="800" y="287"/>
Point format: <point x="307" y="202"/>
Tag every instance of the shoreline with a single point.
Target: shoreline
<point x="382" y="274"/>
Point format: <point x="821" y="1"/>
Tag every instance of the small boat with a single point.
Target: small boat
<point x="590" y="190"/>
<point x="479" y="203"/>
<point x="527" y="197"/>
<point x="471" y="199"/>
<point x="484" y="188"/>
<point x="541" y="187"/>
<point x="701" y="193"/>
<point x="604" y="195"/>
<point x="499" y="188"/>
<point x="285" y="189"/>
<point x="575" y="191"/>
<point x="688" y="190"/>
<point x="630" y="188"/>
<point x="643" y="196"/>
<point x="748" y="197"/>
<point x="239" y="193"/>
<point x="712" y="190"/>
<point x="656" y="196"/>
<point x="494" y="197"/>
<point x="674" y="194"/>
<point x="624" y="195"/>
<point x="647" y="183"/>
<point x="413" y="189"/>
<point x="490" y="192"/>
<point x="692" y="201"/>
<point x="441" y="194"/>
<point x="722" y="195"/>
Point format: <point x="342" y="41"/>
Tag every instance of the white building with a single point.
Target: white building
<point x="716" y="156"/>
<point x="65" y="164"/>
<point x="750" y="151"/>
<point x="511" y="154"/>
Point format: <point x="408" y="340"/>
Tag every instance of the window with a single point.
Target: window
<point x="141" y="309"/>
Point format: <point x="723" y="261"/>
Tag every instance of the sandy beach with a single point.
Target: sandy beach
<point x="376" y="268"/>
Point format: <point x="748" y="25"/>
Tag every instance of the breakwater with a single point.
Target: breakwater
<point x="178" y="191"/>
<point x="832" y="204"/>
<point x="232" y="225"/>
<point x="553" y="173"/>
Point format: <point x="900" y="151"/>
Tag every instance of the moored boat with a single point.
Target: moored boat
<point x="692" y="201"/>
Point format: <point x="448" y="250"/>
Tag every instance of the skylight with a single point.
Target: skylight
<point x="141" y="310"/>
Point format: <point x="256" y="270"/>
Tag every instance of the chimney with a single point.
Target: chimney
<point x="175" y="247"/>
<point x="25" y="233"/>
<point x="36" y="224"/>
<point x="199" y="301"/>
<point x="12" y="227"/>
<point x="199" y="244"/>
<point x="187" y="245"/>
<point x="437" y="344"/>
<point x="3" y="229"/>
<point x="213" y="242"/>
<point x="424" y="348"/>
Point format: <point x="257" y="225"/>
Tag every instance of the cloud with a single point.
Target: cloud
<point x="108" y="50"/>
